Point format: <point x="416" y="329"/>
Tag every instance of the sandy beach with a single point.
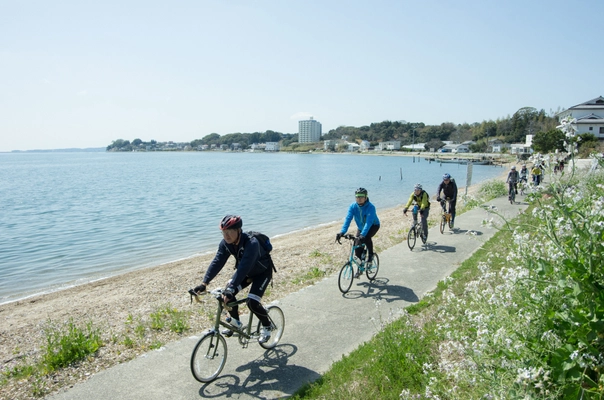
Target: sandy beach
<point x="120" y="304"/>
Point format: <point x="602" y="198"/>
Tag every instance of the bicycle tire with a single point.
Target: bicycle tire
<point x="277" y="318"/>
<point x="443" y="223"/>
<point x="208" y="357"/>
<point x="512" y="196"/>
<point x="373" y="268"/>
<point x="346" y="277"/>
<point x="411" y="238"/>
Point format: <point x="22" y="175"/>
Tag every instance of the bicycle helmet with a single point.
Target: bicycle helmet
<point x="231" y="222"/>
<point x="360" y="192"/>
<point x="513" y="167"/>
<point x="418" y="187"/>
<point x="446" y="176"/>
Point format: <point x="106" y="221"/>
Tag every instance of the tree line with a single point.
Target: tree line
<point x="512" y="129"/>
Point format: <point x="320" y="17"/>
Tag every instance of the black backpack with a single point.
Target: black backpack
<point x="265" y="245"/>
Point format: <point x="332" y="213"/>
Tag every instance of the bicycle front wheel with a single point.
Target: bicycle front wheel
<point x="346" y="277"/>
<point x="443" y="223"/>
<point x="209" y="357"/>
<point x="373" y="267"/>
<point x="275" y="315"/>
<point x="411" y="238"/>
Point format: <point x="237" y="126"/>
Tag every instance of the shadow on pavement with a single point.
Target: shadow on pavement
<point x="264" y="375"/>
<point x="380" y="290"/>
<point x="442" y="249"/>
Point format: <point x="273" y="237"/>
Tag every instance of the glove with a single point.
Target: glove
<point x="438" y="199"/>
<point x="359" y="240"/>
<point x="405" y="210"/>
<point x="200" y="289"/>
<point x="338" y="236"/>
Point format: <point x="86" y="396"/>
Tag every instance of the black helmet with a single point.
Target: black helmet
<point x="360" y="192"/>
<point x="231" y="222"/>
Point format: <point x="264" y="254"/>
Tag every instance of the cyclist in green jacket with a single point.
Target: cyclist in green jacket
<point x="421" y="197"/>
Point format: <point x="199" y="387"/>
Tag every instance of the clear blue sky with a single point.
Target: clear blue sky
<point x="85" y="73"/>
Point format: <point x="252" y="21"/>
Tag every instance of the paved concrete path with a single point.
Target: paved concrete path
<point x="310" y="343"/>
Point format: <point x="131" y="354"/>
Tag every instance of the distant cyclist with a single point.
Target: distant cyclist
<point x="252" y="266"/>
<point x="366" y="219"/>
<point x="512" y="180"/>
<point x="524" y="174"/>
<point x="420" y="196"/>
<point x="536" y="172"/>
<point x="449" y="189"/>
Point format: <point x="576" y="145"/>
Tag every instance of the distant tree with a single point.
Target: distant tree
<point x="137" y="142"/>
<point x="546" y="142"/>
<point x="434" y="144"/>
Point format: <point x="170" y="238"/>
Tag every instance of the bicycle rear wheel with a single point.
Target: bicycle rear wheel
<point x="275" y="314"/>
<point x="443" y="223"/>
<point x="373" y="268"/>
<point x="209" y="357"/>
<point x="346" y="277"/>
<point x="411" y="238"/>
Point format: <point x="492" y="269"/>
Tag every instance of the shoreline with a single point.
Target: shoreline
<point x="115" y="304"/>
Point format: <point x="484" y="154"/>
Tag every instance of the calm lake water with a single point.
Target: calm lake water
<point x="69" y="218"/>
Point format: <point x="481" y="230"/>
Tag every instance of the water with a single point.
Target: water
<point x="69" y="218"/>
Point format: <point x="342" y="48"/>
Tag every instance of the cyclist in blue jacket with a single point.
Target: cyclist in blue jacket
<point x="368" y="223"/>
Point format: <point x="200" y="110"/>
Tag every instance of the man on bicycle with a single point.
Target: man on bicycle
<point x="524" y="174"/>
<point x="449" y="189"/>
<point x="368" y="223"/>
<point x="512" y="180"/>
<point x="420" y="196"/>
<point x="253" y="265"/>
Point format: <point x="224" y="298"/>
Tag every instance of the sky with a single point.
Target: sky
<point x="81" y="74"/>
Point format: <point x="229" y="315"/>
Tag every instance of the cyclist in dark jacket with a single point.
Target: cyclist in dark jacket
<point x="449" y="189"/>
<point x="368" y="223"/>
<point x="252" y="266"/>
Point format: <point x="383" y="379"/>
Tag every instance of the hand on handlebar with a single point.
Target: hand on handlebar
<point x="338" y="237"/>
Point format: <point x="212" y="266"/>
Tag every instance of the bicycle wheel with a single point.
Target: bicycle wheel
<point x="373" y="268"/>
<point x="346" y="277"/>
<point x="512" y="196"/>
<point x="443" y="223"/>
<point x="411" y="238"/>
<point x="209" y="357"/>
<point x="450" y="221"/>
<point x="275" y="314"/>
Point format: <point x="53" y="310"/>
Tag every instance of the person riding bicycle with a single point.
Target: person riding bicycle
<point x="368" y="223"/>
<point x="536" y="172"/>
<point x="253" y="265"/>
<point x="420" y="196"/>
<point x="449" y="189"/>
<point x="512" y="180"/>
<point x="524" y="173"/>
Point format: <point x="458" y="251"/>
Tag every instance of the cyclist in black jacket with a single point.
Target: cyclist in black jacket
<point x="252" y="266"/>
<point x="449" y="189"/>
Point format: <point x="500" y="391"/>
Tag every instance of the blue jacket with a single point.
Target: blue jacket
<point x="247" y="253"/>
<point x="364" y="216"/>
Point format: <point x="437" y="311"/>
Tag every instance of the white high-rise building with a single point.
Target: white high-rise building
<point x="309" y="131"/>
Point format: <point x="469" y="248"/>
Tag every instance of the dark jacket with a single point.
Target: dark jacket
<point x="250" y="260"/>
<point x="449" y="190"/>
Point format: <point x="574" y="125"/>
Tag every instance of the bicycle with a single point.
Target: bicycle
<point x="523" y="185"/>
<point x="347" y="273"/>
<point x="210" y="353"/>
<point x="512" y="192"/>
<point x="447" y="218"/>
<point x="416" y="230"/>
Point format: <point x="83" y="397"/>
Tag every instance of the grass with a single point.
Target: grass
<point x="521" y="318"/>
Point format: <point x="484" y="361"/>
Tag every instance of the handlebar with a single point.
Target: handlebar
<point x="348" y="236"/>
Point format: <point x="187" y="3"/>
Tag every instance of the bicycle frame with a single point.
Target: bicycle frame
<point x="210" y="353"/>
<point x="347" y="274"/>
<point x="446" y="214"/>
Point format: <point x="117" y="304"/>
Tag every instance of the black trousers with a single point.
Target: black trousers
<point x="368" y="242"/>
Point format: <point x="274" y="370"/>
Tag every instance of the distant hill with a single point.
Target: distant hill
<point x="73" y="150"/>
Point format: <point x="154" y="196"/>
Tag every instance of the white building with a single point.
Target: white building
<point x="309" y="131"/>
<point x="272" y="146"/>
<point x="589" y="115"/>
<point x="391" y="145"/>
